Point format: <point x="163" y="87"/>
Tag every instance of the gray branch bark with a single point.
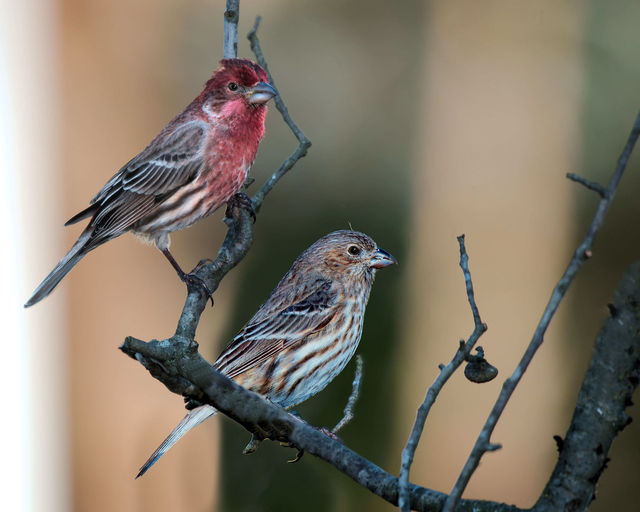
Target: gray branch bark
<point x="231" y="18"/>
<point x="612" y="377"/>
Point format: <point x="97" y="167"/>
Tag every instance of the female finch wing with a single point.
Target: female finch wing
<point x="266" y="335"/>
<point x="277" y="324"/>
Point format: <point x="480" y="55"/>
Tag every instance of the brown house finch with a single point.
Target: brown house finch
<point x="303" y="336"/>
<point x="192" y="167"/>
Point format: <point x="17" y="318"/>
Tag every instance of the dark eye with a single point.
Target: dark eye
<point x="354" y="250"/>
<point x="232" y="86"/>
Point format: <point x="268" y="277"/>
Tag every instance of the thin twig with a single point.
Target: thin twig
<point x="583" y="252"/>
<point x="353" y="397"/>
<point x="231" y="17"/>
<point x="240" y="233"/>
<point x="591" y="185"/>
<point x="404" y="501"/>
<point x="304" y="142"/>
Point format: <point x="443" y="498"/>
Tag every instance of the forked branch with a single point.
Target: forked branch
<point x="582" y="253"/>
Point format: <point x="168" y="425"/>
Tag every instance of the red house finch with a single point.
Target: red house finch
<point x="192" y="167"/>
<point x="303" y="336"/>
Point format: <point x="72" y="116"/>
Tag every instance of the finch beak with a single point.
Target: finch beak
<point x="261" y="93"/>
<point x="381" y="259"/>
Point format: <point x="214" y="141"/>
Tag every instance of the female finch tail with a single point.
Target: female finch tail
<point x="74" y="255"/>
<point x="190" y="421"/>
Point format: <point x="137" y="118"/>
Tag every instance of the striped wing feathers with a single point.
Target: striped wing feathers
<point x="262" y="339"/>
<point x="169" y="162"/>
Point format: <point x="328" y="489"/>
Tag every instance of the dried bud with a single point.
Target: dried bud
<point x="478" y="369"/>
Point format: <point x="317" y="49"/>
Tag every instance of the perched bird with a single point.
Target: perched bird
<point x="306" y="332"/>
<point x="191" y="168"/>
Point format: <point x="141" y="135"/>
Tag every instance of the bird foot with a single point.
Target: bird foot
<point x="240" y="200"/>
<point x="252" y="446"/>
<point x="297" y="457"/>
<point x="192" y="279"/>
<point x="190" y="404"/>
<point x="299" y="454"/>
<point x="201" y="264"/>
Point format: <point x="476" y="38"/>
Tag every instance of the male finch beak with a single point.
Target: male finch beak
<point x="260" y="93"/>
<point x="381" y="259"/>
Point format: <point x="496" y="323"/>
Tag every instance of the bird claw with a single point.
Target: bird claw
<point x="297" y="458"/>
<point x="201" y="264"/>
<point x="240" y="200"/>
<point x="192" y="279"/>
<point x="190" y="403"/>
<point x="299" y="454"/>
<point x="252" y="446"/>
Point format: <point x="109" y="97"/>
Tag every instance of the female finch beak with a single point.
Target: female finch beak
<point x="261" y="93"/>
<point x="381" y="259"/>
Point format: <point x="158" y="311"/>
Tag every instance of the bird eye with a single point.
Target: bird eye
<point x="232" y="86"/>
<point x="354" y="250"/>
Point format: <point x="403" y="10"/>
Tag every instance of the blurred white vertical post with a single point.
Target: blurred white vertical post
<point x="34" y="466"/>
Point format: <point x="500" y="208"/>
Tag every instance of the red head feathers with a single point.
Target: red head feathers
<point x="240" y="71"/>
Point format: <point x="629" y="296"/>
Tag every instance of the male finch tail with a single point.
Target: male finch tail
<point x="306" y="332"/>
<point x="74" y="255"/>
<point x="191" y="168"/>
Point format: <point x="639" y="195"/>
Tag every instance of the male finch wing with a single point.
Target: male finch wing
<point x="172" y="159"/>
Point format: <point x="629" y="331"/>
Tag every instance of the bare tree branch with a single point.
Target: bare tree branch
<point x="581" y="255"/>
<point x="612" y="377"/>
<point x="231" y="17"/>
<point x="304" y="143"/>
<point x="353" y="397"/>
<point x="591" y="185"/>
<point x="434" y="390"/>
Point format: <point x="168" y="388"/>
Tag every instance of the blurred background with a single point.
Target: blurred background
<point x="428" y="120"/>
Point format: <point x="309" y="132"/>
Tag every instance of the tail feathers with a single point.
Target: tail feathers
<point x="190" y="421"/>
<point x="74" y="255"/>
<point x="87" y="212"/>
